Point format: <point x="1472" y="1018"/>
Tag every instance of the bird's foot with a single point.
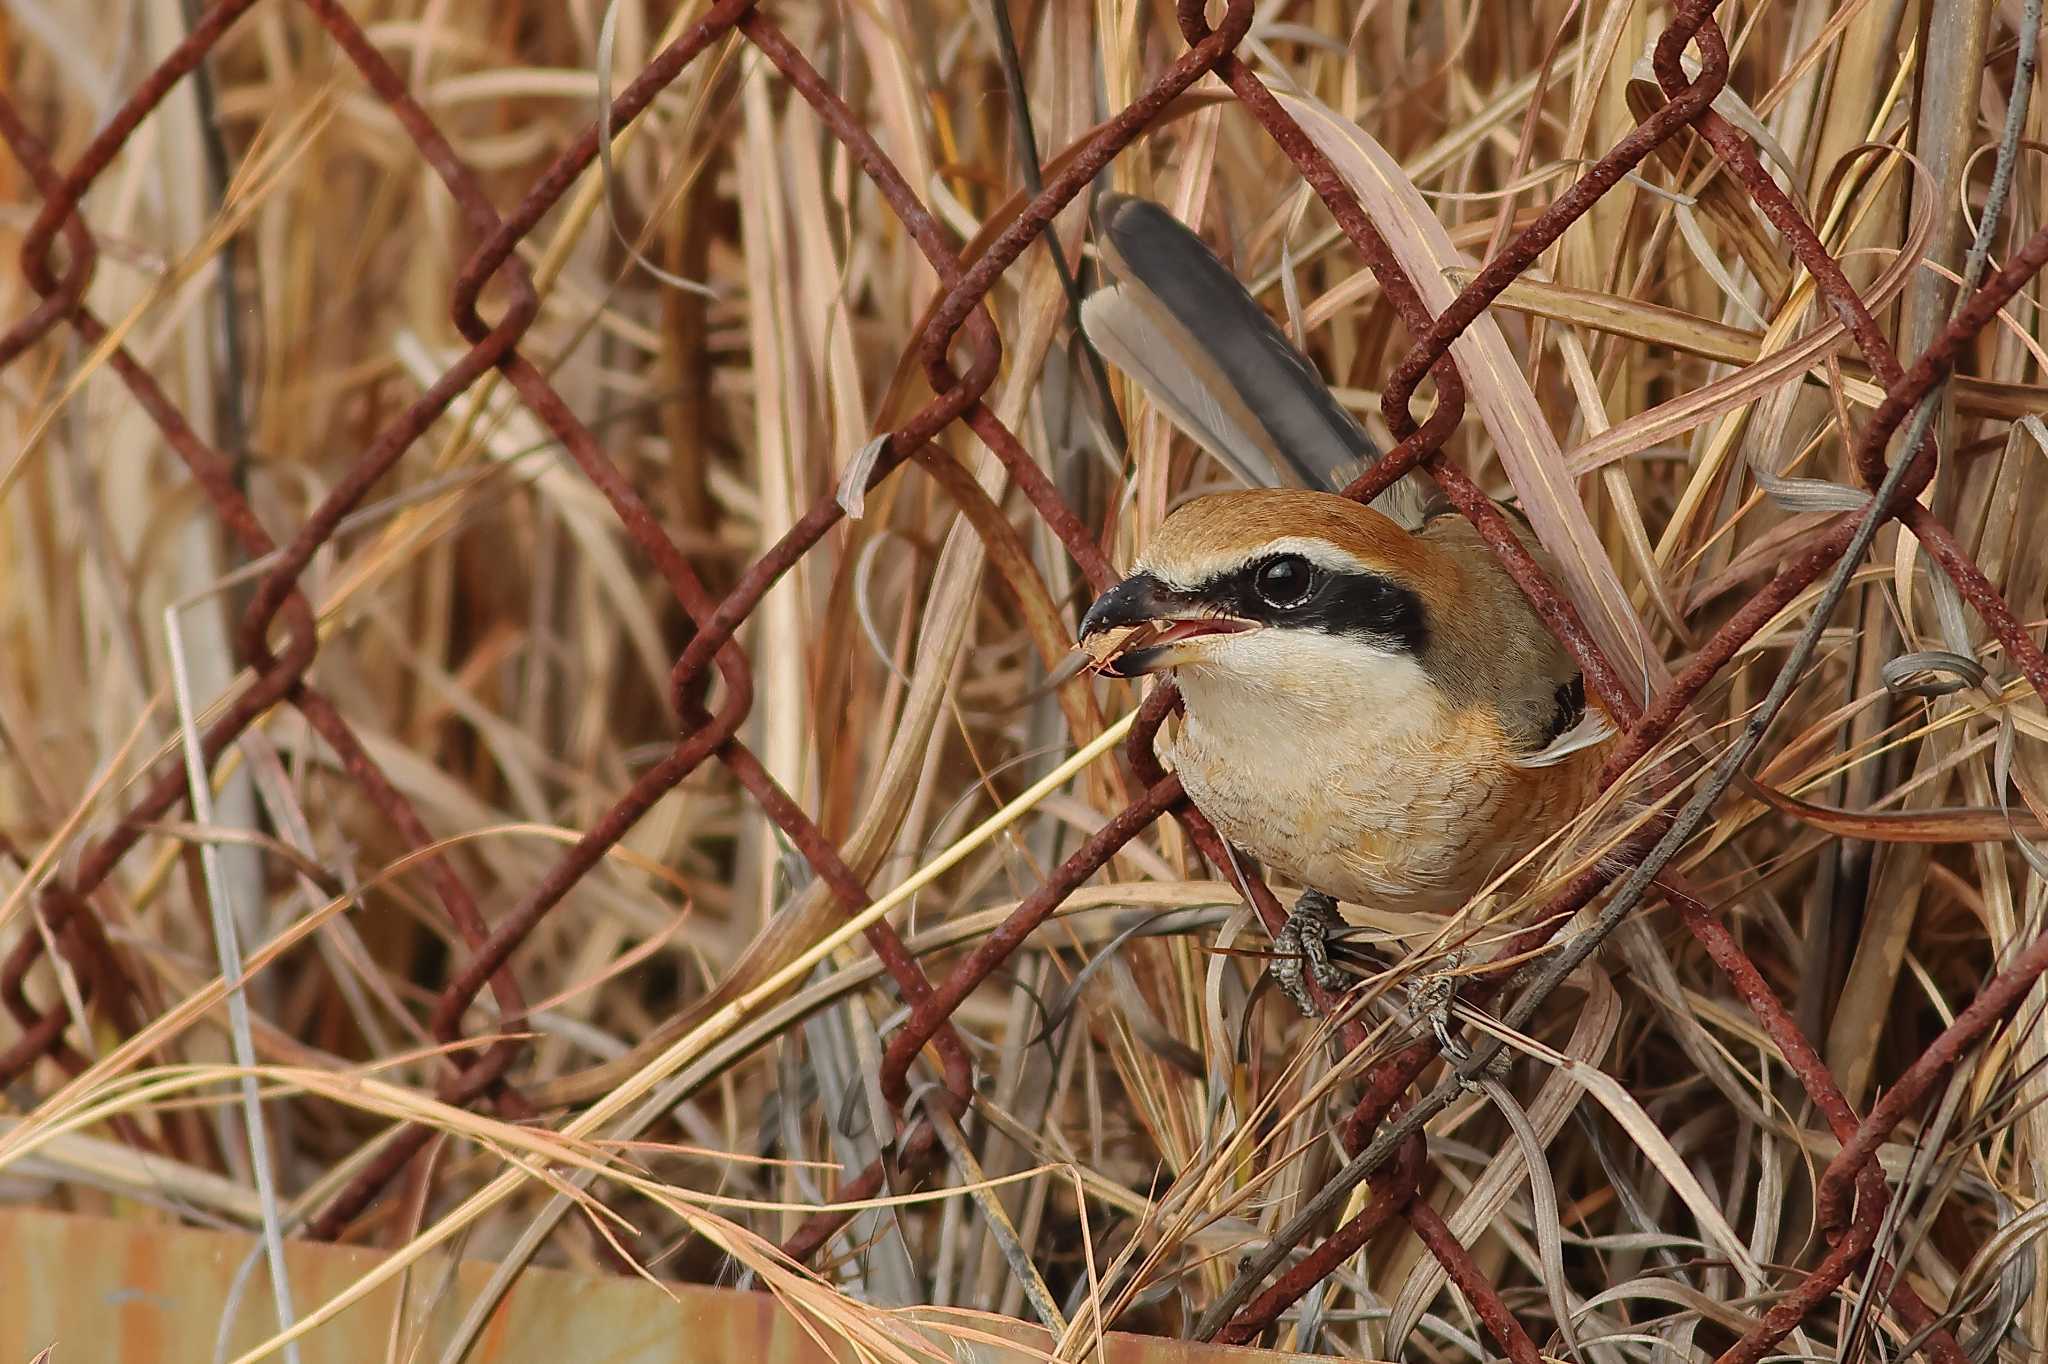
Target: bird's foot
<point x="1302" y="951"/>
<point x="1431" y="997"/>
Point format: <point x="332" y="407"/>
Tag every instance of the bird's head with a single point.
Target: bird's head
<point x="1273" y="588"/>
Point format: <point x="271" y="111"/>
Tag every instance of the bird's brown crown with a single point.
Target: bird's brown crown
<point x="1214" y="534"/>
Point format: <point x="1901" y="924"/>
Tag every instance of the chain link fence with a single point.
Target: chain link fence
<point x="960" y="350"/>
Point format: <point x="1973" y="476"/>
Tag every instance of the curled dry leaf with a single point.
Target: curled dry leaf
<point x="1104" y="647"/>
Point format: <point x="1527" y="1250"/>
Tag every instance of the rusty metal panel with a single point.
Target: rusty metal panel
<point x="100" y="1290"/>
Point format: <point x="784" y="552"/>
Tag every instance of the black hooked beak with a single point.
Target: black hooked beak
<point x="1151" y="618"/>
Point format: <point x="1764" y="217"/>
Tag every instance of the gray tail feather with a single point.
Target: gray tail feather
<point x="1183" y="327"/>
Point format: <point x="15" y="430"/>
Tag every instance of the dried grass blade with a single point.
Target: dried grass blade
<point x="1527" y="449"/>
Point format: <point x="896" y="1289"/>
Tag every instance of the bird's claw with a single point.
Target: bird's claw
<point x="1431" y="997"/>
<point x="1302" y="951"/>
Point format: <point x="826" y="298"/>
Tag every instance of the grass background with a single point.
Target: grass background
<point x="734" y="312"/>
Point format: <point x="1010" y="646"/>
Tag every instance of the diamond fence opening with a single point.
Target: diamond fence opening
<point x="925" y="1072"/>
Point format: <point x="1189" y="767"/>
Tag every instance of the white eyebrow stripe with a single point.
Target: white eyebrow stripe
<point x="1317" y="551"/>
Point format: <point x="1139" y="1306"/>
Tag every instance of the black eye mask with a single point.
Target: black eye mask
<point x="1367" y="605"/>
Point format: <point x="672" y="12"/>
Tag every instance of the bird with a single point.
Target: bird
<point x="1371" y="706"/>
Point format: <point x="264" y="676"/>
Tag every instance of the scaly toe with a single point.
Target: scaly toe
<point x="1286" y="970"/>
<point x="1430" y="997"/>
<point x="1302" y="951"/>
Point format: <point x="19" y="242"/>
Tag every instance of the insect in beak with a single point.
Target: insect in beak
<point x="1134" y="628"/>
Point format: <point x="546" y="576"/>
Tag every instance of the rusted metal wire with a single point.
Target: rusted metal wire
<point x="959" y="325"/>
<point x="1390" y="1199"/>
<point x="1431" y="1229"/>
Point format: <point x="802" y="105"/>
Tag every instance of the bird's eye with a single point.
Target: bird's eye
<point x="1284" y="581"/>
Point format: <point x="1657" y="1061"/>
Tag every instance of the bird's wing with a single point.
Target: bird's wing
<point x="1180" y="324"/>
<point x="1578" y="728"/>
<point x="1496" y="651"/>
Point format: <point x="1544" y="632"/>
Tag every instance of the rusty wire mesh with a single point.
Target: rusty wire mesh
<point x="959" y="349"/>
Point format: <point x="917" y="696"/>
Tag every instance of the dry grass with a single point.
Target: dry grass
<point x="503" y="654"/>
